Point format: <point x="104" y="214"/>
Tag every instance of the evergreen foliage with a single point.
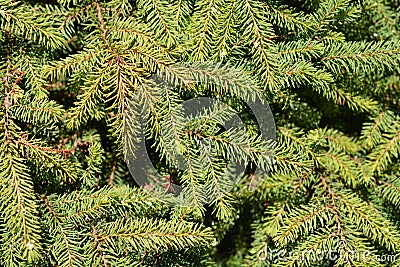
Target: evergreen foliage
<point x="74" y="74"/>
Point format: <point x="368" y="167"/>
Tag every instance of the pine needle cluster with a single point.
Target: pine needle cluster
<point x="74" y="74"/>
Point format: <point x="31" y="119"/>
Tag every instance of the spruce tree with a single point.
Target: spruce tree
<point x="75" y="75"/>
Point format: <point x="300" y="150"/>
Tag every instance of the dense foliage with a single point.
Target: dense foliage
<point x="73" y="71"/>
